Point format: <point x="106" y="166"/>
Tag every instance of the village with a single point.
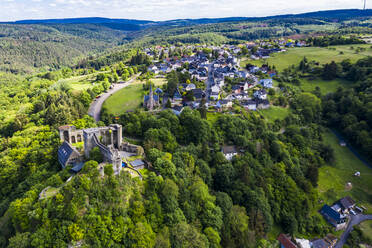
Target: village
<point x="217" y="77"/>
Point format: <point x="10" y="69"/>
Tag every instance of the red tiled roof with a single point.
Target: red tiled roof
<point x="285" y="241"/>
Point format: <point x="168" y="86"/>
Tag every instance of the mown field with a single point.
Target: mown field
<point x="323" y="55"/>
<point x="128" y="98"/>
<point x="326" y="86"/>
<point x="275" y="112"/>
<point x="333" y="178"/>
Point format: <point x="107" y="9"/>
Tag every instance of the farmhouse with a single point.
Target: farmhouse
<point x="347" y="204"/>
<point x="333" y="217"/>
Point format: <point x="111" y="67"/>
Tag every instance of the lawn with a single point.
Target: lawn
<point x="275" y="112"/>
<point x="321" y="54"/>
<point x="334" y="177"/>
<point x="128" y="98"/>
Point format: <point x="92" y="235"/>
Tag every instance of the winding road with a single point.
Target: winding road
<point x="96" y="106"/>
<point x="355" y="220"/>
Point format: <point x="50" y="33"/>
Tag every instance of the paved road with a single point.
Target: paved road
<point x="355" y="220"/>
<point x="209" y="81"/>
<point x="96" y="106"/>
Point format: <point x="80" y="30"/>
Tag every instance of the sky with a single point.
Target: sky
<point x="159" y="10"/>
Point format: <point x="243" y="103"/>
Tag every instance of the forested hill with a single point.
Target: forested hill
<point x="33" y="45"/>
<point x="342" y="14"/>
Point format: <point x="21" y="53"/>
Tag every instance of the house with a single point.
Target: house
<point x="138" y="164"/>
<point x="177" y="110"/>
<point x="214" y="96"/>
<point x="224" y="104"/>
<point x="346" y="204"/>
<point x="244" y="86"/>
<point x="198" y="94"/>
<point x="303" y="243"/>
<point x="68" y="155"/>
<point x="220" y="82"/>
<point x="177" y="96"/>
<point x="153" y="69"/>
<point x="215" y="89"/>
<point x="319" y="243"/>
<point x="285" y="241"/>
<point x="263" y="104"/>
<point x="229" y="152"/>
<point x="236" y="89"/>
<point x="333" y="217"/>
<point x="190" y="87"/>
<point x="250" y="105"/>
<point x="260" y="94"/>
<point x="266" y="83"/>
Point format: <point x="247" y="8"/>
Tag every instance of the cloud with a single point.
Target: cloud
<point x="162" y="9"/>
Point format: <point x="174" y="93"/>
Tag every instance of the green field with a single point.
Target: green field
<point x="78" y="83"/>
<point x="324" y="85"/>
<point x="334" y="177"/>
<point x="275" y="112"/>
<point x="321" y="54"/>
<point x="128" y="98"/>
<point x="366" y="227"/>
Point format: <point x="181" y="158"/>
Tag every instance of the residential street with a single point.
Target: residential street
<point x="355" y="220"/>
<point x="209" y="81"/>
<point x="96" y="105"/>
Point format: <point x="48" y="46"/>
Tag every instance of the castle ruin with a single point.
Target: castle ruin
<point x="107" y="139"/>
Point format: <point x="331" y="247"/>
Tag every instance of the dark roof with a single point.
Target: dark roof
<point x="178" y="108"/>
<point x="137" y="162"/>
<point x="347" y="202"/>
<point x="285" y="241"/>
<point x="77" y="167"/>
<point x="228" y="149"/>
<point x="249" y="102"/>
<point x="266" y="102"/>
<point x="198" y="93"/>
<point x="330" y="212"/>
<point x="235" y="87"/>
<point x="64" y="153"/>
<point x="147" y="97"/>
<point x="158" y="91"/>
<point x="319" y="243"/>
<point x="177" y="94"/>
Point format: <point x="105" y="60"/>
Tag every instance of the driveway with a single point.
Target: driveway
<point x="355" y="220"/>
<point x="96" y="106"/>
